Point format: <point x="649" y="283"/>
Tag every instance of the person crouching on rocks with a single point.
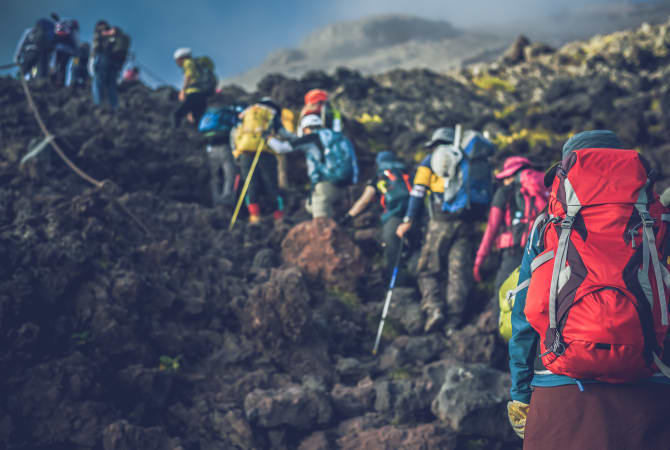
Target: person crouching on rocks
<point x="391" y="186"/>
<point x="446" y="255"/>
<point x="331" y="164"/>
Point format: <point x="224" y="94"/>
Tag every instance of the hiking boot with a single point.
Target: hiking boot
<point x="435" y="318"/>
<point x="254" y="213"/>
<point x="278" y="216"/>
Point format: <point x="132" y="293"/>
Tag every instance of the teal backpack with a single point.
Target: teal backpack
<point x="339" y="165"/>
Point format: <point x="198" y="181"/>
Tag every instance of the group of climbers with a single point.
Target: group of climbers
<point x="58" y="39"/>
<point x="584" y="248"/>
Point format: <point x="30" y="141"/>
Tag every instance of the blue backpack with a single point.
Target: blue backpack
<point x="219" y="121"/>
<point x="339" y="165"/>
<point x="476" y="171"/>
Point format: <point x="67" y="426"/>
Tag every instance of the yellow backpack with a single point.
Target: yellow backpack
<point x="256" y="120"/>
<point x="288" y="120"/>
<point x="506" y="297"/>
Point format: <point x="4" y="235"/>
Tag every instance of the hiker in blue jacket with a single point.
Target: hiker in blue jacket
<point x="551" y="411"/>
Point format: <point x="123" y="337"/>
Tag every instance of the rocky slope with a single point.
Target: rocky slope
<point x="379" y="44"/>
<point x="184" y="335"/>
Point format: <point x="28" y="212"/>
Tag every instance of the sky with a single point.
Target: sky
<point x="238" y="35"/>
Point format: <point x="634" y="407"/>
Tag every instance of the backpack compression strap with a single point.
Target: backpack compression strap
<point x="649" y="251"/>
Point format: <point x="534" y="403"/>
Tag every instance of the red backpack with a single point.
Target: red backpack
<point x="598" y="294"/>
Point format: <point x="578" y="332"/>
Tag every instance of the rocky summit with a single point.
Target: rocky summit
<point x="132" y="318"/>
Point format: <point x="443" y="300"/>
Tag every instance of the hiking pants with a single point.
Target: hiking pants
<point x="323" y="198"/>
<point x="104" y="84"/>
<point x="444" y="268"/>
<point x="62" y="59"/>
<point x="195" y="103"/>
<point x="263" y="179"/>
<point x="222" y="170"/>
<point x="510" y="259"/>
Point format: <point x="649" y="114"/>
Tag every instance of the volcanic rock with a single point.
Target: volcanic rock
<point x="323" y="251"/>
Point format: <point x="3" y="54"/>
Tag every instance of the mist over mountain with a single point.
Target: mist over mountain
<point x="381" y="43"/>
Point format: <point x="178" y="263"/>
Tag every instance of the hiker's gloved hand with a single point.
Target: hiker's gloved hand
<point x="477" y="269"/>
<point x="345" y="220"/>
<point x="517" y="413"/>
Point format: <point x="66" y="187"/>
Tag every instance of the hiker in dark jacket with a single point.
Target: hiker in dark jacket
<point x="106" y="65"/>
<point x="552" y="411"/>
<point x="34" y="49"/>
<point x="391" y="187"/>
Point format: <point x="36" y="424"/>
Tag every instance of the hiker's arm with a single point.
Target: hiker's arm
<point x="416" y="196"/>
<point x="280" y="147"/>
<point x="523" y="343"/>
<point x="22" y="42"/>
<point x="363" y="201"/>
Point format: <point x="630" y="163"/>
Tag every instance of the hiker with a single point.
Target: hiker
<point x="66" y="46"/>
<point x="258" y="122"/>
<point x="199" y="83"/>
<point x="79" y="75"/>
<point x="316" y="102"/>
<point x="513" y="209"/>
<point x="331" y="164"/>
<point x="446" y="255"/>
<point x="110" y="50"/>
<point x="594" y="254"/>
<point x="34" y="49"/>
<point x="391" y="186"/>
<point x="216" y="126"/>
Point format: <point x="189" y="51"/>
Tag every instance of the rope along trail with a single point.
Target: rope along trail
<point x="106" y="185"/>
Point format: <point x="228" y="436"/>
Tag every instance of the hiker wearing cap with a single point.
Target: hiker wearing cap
<point x="199" y="83"/>
<point x="259" y="122"/>
<point x="513" y="209"/>
<point x="391" y="187"/>
<point x="331" y="164"/>
<point x="447" y="250"/>
<point x="590" y="316"/>
<point x="110" y="49"/>
<point x="317" y="103"/>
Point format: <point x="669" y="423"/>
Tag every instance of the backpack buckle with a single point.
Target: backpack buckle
<point x="568" y="222"/>
<point x="647" y="220"/>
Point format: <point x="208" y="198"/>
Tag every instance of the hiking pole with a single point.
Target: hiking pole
<point x="246" y="184"/>
<point x="389" y="293"/>
<point x="8" y="66"/>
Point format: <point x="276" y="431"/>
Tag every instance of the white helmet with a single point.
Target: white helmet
<point x="310" y="121"/>
<point x="445" y="159"/>
<point x="183" y="52"/>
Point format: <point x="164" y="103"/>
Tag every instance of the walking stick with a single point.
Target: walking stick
<point x="246" y="184"/>
<point x="389" y="293"/>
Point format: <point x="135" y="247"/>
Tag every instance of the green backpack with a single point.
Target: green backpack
<point x="120" y="44"/>
<point x="206" y="80"/>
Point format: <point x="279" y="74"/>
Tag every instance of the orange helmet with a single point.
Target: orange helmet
<point x="315" y="96"/>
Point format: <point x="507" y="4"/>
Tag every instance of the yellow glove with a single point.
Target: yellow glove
<point x="517" y="412"/>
